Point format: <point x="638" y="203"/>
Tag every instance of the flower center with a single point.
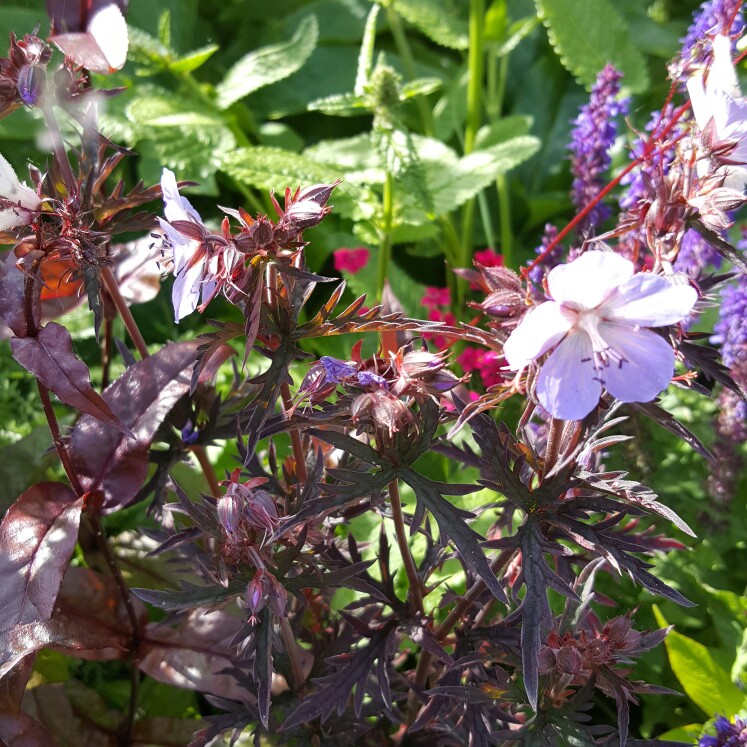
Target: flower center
<point x="587" y="321"/>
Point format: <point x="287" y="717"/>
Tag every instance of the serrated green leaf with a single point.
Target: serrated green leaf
<point x="587" y="34"/>
<point x="706" y="683"/>
<point x="420" y="87"/>
<point x="270" y="64"/>
<point x="193" y="60"/>
<point x="272" y="168"/>
<point x="452" y="184"/>
<point x="341" y="105"/>
<point x="365" y="56"/>
<point x="400" y="158"/>
<point x="439" y="20"/>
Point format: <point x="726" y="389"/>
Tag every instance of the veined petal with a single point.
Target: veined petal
<point x="12" y="189"/>
<point x="642" y="364"/>
<point x="721" y="74"/>
<point x="587" y="281"/>
<point x="108" y="28"/>
<point x="649" y="300"/>
<point x="701" y="110"/>
<point x="536" y="333"/>
<point x="567" y="386"/>
<point x="176" y="207"/>
<point x="185" y="294"/>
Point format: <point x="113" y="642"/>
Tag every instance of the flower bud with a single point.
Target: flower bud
<point x="230" y="510"/>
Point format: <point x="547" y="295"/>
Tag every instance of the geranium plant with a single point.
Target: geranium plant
<point x="308" y="510"/>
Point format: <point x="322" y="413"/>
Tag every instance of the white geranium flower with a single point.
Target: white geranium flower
<point x="597" y="323"/>
<point x="25" y="201"/>
<point x="187" y="249"/>
<point x="721" y="115"/>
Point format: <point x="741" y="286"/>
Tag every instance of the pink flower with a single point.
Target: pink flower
<point x="489" y="258"/>
<point x="351" y="260"/>
<point x="470" y="358"/>
<point x="597" y="325"/>
<point x="436" y="297"/>
<point x="490" y="368"/>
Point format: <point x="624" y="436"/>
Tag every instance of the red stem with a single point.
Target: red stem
<point x="647" y="151"/>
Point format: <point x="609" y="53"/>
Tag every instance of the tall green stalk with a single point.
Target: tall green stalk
<point x="385" y="244"/>
<point x="474" y="109"/>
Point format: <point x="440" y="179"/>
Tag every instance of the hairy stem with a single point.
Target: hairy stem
<point x="58" y="145"/>
<point x="289" y="641"/>
<point x="415" y="591"/>
<point x="444" y="628"/>
<point x="112" y="288"/>
<point x="297" y="445"/>
<point x="553" y="444"/>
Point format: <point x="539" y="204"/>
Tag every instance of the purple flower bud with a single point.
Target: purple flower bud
<point x="337" y="370"/>
<point x="304" y="214"/>
<point x="30" y="84"/>
<point x="318" y="193"/>
<point x="265" y="590"/>
<point x="190" y="435"/>
<point x="230" y="510"/>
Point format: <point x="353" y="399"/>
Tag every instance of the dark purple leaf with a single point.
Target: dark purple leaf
<point x="13" y="685"/>
<point x="451" y="524"/>
<point x="37" y="538"/>
<point x="23" y="731"/>
<point x="189" y="596"/>
<point x="12" y="285"/>
<point x="50" y="357"/>
<point x="665" y="420"/>
<point x="162" y="731"/>
<point x="535" y="608"/>
<point x="336" y="689"/>
<point x="141" y="398"/>
<point x="193" y="654"/>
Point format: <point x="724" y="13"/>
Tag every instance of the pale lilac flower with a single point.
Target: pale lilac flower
<point x="721" y="115"/>
<point x="187" y="248"/>
<point x="18" y="203"/>
<point x="598" y="319"/>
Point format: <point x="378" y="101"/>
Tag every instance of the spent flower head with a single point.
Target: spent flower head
<point x="597" y="324"/>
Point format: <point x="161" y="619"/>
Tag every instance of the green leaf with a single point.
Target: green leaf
<point x="452" y="184"/>
<point x="686" y="734"/>
<point x="707" y="684"/>
<point x="341" y="105"/>
<point x="501" y="130"/>
<point x="365" y="56"/>
<point x="270" y="64"/>
<point x="193" y="60"/>
<point x="174" y="133"/>
<point x="272" y="168"/>
<point x="587" y="34"/>
<point x="420" y="87"/>
<point x="18" y="20"/>
<point x="439" y="20"/>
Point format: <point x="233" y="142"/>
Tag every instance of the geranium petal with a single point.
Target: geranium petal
<point x="567" y="386"/>
<point x="641" y="366"/>
<point x="587" y="281"/>
<point x="649" y="301"/>
<point x="185" y="294"/>
<point x="536" y="333"/>
<point x="176" y="207"/>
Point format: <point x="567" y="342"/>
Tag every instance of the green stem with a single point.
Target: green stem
<point x="501" y="182"/>
<point x="385" y="245"/>
<point x="474" y="108"/>
<point x="403" y="47"/>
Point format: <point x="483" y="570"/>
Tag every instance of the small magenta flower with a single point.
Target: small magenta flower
<point x="351" y="260"/>
<point x="18" y="203"/>
<point x="597" y="324"/>
<point x="489" y="258"/>
<point x="435" y="297"/>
